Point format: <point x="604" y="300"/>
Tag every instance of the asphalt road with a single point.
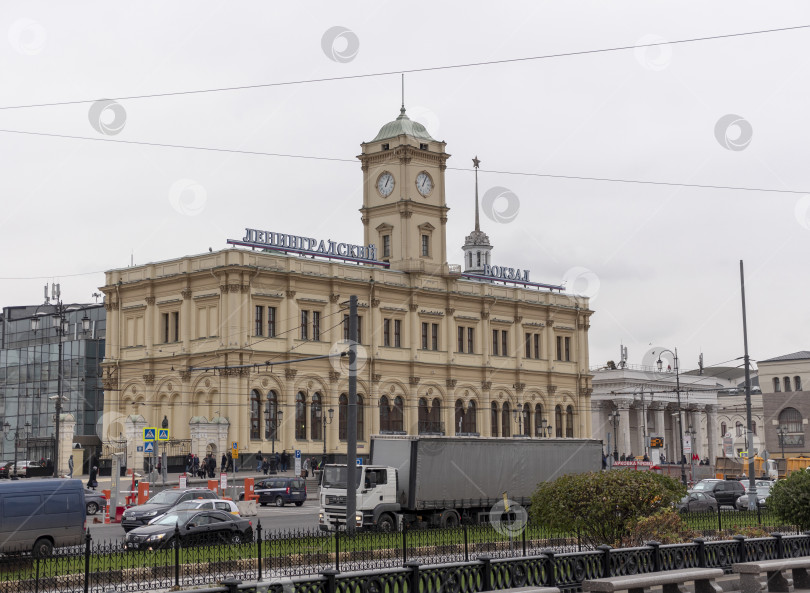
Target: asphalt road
<point x="273" y="518"/>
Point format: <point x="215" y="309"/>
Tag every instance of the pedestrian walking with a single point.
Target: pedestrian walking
<point x="230" y="460"/>
<point x="265" y="466"/>
<point x="212" y="466"/>
<point x="259" y="460"/>
<point x="305" y="468"/>
<point x="91" y="481"/>
<point x="284" y="460"/>
<point x="70" y="466"/>
<point x="224" y="464"/>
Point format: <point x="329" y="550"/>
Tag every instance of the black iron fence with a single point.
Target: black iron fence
<point x="487" y="556"/>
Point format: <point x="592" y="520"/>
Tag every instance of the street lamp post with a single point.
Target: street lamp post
<point x="692" y="434"/>
<point x="678" y="394"/>
<point x="517" y="416"/>
<point x="614" y="417"/>
<point x="325" y="422"/>
<point x="782" y="432"/>
<point x="6" y="430"/>
<point x="276" y="421"/>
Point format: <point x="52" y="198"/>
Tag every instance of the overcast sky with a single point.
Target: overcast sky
<point x="660" y="262"/>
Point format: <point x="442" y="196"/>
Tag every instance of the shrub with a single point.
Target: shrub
<point x="790" y="499"/>
<point x="603" y="506"/>
<point x="666" y="527"/>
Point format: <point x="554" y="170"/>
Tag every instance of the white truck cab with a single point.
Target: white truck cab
<point x="376" y="496"/>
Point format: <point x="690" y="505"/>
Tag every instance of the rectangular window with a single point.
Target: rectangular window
<point x="316" y="326"/>
<point x="461" y="339"/>
<point x="559" y="348"/>
<point x="470" y="340"/>
<point x="259" y="320"/>
<point x="504" y="351"/>
<point x="176" y="326"/>
<point x="567" y="348"/>
<point x="424" y="336"/>
<point x="494" y="342"/>
<point x="397" y="333"/>
<point x="528" y="349"/>
<point x="386" y="245"/>
<point x="164" y="317"/>
<point x="359" y="328"/>
<point x="170" y="326"/>
<point x="537" y="346"/>
<point x="425" y="245"/>
<point x="271" y="322"/>
<point x="435" y="337"/>
<point x="386" y="332"/>
<point x="304" y="325"/>
<point x="346" y="328"/>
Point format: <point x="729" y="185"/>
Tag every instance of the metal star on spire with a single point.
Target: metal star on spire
<point x="476" y="162"/>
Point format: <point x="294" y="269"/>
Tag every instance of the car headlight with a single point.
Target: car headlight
<point x="156" y="538"/>
<point x="150" y="514"/>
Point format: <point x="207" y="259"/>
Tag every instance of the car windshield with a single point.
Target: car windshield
<point x="703" y="486"/>
<point x="189" y="504"/>
<point x="763" y="490"/>
<point x="175" y="517"/>
<point x="334" y="476"/>
<point x="166" y="497"/>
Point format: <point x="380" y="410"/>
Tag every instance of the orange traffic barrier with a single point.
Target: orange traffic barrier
<point x="213" y="485"/>
<point x="250" y="493"/>
<point x="143" y="492"/>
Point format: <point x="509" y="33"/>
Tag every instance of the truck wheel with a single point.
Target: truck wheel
<point x="449" y="518"/>
<point x="386" y="522"/>
<point x="42" y="548"/>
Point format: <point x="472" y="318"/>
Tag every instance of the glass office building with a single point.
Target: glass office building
<point x="29" y="372"/>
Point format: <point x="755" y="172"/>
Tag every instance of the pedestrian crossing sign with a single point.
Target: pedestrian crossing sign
<point x="163" y="434"/>
<point x="149" y="433"/>
<point x="149" y="447"/>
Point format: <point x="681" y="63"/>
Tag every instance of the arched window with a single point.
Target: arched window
<point x="470" y="422"/>
<point x="479" y="259"/>
<point x="398" y="414"/>
<point x="316" y="417"/>
<point x="786" y="381"/>
<point x="493" y="418"/>
<point x="301" y="416"/>
<point x="361" y="421"/>
<point x="458" y="425"/>
<point x="255" y="414"/>
<point x="797" y="383"/>
<point x="569" y="422"/>
<point x="754" y="427"/>
<point x="539" y="430"/>
<point x="776" y="385"/>
<point x="505" y="420"/>
<point x="271" y="417"/>
<point x="423" y="413"/>
<point x="435" y="418"/>
<point x="738" y="427"/>
<point x="343" y="417"/>
<point x="791" y="420"/>
<point x="723" y="429"/>
<point x="385" y="415"/>
<point x="469" y="259"/>
<point x="527" y="420"/>
<point x="558" y="421"/>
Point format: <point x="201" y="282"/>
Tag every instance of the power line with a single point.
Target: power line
<point x="339" y="160"/>
<point x="414" y="70"/>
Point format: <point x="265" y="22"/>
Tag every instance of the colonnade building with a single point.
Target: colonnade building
<point x="480" y="350"/>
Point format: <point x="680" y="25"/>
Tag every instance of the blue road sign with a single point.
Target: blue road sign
<point x="298" y="453"/>
<point x="359" y="461"/>
<point x="149" y="434"/>
<point x="140" y="448"/>
<point x="149" y="447"/>
<point x="163" y="434"/>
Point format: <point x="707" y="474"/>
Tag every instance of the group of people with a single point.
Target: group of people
<point x="205" y="467"/>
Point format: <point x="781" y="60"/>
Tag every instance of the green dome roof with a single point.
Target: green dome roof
<point x="403" y="125"/>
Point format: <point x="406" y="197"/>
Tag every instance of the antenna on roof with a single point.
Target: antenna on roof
<point x="700" y="363"/>
<point x="403" y="91"/>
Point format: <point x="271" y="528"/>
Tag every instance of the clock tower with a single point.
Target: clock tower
<point x="404" y="211"/>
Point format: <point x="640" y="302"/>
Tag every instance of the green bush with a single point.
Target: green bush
<point x="790" y="499"/>
<point x="603" y="506"/>
<point x="666" y="527"/>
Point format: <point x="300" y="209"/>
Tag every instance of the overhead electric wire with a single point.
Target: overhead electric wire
<point x="322" y="158"/>
<point x="415" y="70"/>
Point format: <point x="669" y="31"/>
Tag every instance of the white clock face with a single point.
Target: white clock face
<point x="385" y="184"/>
<point x="424" y="184"/>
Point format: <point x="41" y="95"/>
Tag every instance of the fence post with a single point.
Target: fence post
<point x="404" y="544"/>
<point x="605" y="549"/>
<point x="36" y="582"/>
<point x="780" y="545"/>
<point x="656" y="555"/>
<point x="523" y="537"/>
<point x="742" y="556"/>
<point x="176" y="556"/>
<point x="414" y="584"/>
<point x="232" y="585"/>
<point x="87" y="562"/>
<point x="719" y="519"/>
<point x="486" y="585"/>
<point x="552" y="569"/>
<point x="337" y="549"/>
<point x="331" y="586"/>
<point x="259" y="548"/>
<point x="701" y="551"/>
<point x="466" y="544"/>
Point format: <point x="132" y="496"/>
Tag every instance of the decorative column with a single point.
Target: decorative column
<point x="711" y="432"/>
<point x="624" y="426"/>
<point x="67" y="428"/>
<point x="695" y="419"/>
<point x="641" y="422"/>
<point x="410" y="415"/>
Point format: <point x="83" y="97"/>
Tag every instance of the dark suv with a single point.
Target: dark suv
<point x="725" y="492"/>
<point x="280" y="491"/>
<point x="161" y="503"/>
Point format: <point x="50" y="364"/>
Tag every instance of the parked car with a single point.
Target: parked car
<point x="226" y="506"/>
<point x="160" y="503"/>
<point x="94" y="501"/>
<point x="280" y="491"/>
<point x="696" y="501"/>
<point x="725" y="492"/>
<point x="192" y="527"/>
<point x="7" y="470"/>
<point x="763" y="492"/>
<point x="38" y="515"/>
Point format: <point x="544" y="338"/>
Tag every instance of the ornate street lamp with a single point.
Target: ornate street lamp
<point x="16" y="437"/>
<point x="325" y="422"/>
<point x="614" y="418"/>
<point x="678" y="394"/>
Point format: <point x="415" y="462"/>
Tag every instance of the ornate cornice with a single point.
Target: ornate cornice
<point x="518" y="318"/>
<point x="186" y="293"/>
<point x="290" y="294"/>
<point x="484" y="314"/>
<point x="334" y="297"/>
<point x="334" y="376"/>
<point x="413" y="380"/>
<point x="237" y="372"/>
<point x="149" y="379"/>
<point x="375" y="302"/>
<point x="150" y="300"/>
<point x="185" y="376"/>
<point x="519" y="387"/>
<point x="486" y="385"/>
<point x="552" y="389"/>
<point x="413" y="307"/>
<point x="112" y="305"/>
<point x="376" y="378"/>
<point x="450" y="382"/>
<point x="449" y="310"/>
<point x="290" y="373"/>
<point x="585" y="391"/>
<point x="109" y="383"/>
